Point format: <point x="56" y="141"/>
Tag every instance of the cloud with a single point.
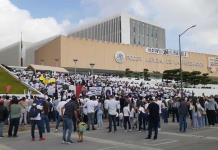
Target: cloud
<point x="176" y="16"/>
<point x="14" y="21"/>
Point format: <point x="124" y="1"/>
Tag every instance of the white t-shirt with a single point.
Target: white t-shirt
<point x="112" y="107"/>
<point x="91" y="105"/>
<point x="60" y="105"/>
<point x="141" y="109"/>
<point x="146" y="106"/>
<point x="106" y="103"/>
<point x="126" y="111"/>
<point x="132" y="113"/>
<point x="159" y="102"/>
<point x="121" y="116"/>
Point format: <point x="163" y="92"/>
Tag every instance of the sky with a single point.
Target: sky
<point x="40" y="19"/>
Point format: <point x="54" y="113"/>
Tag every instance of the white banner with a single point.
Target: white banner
<point x="95" y="90"/>
<point x="108" y="91"/>
<point x="213" y="64"/>
<point x="165" y="51"/>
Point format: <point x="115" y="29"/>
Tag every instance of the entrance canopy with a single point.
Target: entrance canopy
<point x="46" y="68"/>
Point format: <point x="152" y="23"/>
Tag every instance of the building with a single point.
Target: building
<point x="123" y="29"/>
<point x="11" y="55"/>
<point x="110" y="57"/>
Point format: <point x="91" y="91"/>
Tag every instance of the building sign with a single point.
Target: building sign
<point x="134" y="58"/>
<point x="171" y="62"/>
<point x="119" y="57"/>
<point x="213" y="64"/>
<point x="165" y="51"/>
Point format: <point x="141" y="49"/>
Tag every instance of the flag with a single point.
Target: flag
<point x="78" y="90"/>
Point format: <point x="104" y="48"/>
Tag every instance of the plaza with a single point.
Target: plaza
<point x="169" y="139"/>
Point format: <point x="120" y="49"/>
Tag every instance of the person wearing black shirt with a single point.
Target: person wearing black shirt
<point x="153" y="110"/>
<point x="68" y="112"/>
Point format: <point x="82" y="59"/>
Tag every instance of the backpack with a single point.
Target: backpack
<point x="33" y="112"/>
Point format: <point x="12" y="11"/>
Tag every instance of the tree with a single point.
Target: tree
<point x="128" y="72"/>
<point x="186" y="76"/>
<point x="146" y="74"/>
<point x="171" y="75"/>
<point x="156" y="74"/>
<point x="195" y="78"/>
<point x="205" y="79"/>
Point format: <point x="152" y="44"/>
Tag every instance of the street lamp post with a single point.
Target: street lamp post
<point x="75" y="61"/>
<point x="56" y="62"/>
<point x="42" y="61"/>
<point x="180" y="59"/>
<point x="92" y="66"/>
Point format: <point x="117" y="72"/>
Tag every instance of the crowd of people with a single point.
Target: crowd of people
<point x="82" y="102"/>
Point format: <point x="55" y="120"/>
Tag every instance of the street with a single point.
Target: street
<point x="169" y="139"/>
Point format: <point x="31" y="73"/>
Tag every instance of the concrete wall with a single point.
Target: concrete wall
<point x="49" y="54"/>
<point x="102" y="54"/>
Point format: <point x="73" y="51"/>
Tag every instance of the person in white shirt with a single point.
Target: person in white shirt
<point x="132" y="116"/>
<point x="121" y="120"/>
<point x="126" y="114"/>
<point x="59" y="106"/>
<point x="106" y="106"/>
<point x="91" y="106"/>
<point x="112" y="107"/>
<point x="36" y="121"/>
<point x="141" y="117"/>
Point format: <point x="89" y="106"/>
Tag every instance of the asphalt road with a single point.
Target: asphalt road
<point x="169" y="139"/>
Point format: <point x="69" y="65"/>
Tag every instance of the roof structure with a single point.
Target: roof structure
<point x="46" y="68"/>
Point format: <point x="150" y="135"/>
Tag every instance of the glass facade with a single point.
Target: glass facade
<point x="146" y="35"/>
<point x="109" y="31"/>
<point x="139" y="33"/>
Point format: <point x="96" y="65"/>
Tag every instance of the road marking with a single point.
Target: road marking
<point x="97" y="140"/>
<point x="161" y="142"/>
<point x="181" y="134"/>
<point x="3" y="147"/>
<point x="190" y="135"/>
<point x="119" y="144"/>
<point x="112" y="147"/>
<point x="212" y="127"/>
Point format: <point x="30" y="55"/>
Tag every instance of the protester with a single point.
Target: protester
<point x="100" y="115"/>
<point x="3" y="116"/>
<point x="91" y="105"/>
<point x="211" y="106"/>
<point x="24" y="107"/>
<point x="126" y="114"/>
<point x="15" y="112"/>
<point x="36" y="119"/>
<point x="112" y="107"/>
<point x="183" y="113"/>
<point x="67" y="112"/>
<point x="154" y="116"/>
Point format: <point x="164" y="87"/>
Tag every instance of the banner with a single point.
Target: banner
<point x="108" y="91"/>
<point x="95" y="90"/>
<point x="213" y="64"/>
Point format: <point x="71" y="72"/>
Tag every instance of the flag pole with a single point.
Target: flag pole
<point x="21" y="51"/>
